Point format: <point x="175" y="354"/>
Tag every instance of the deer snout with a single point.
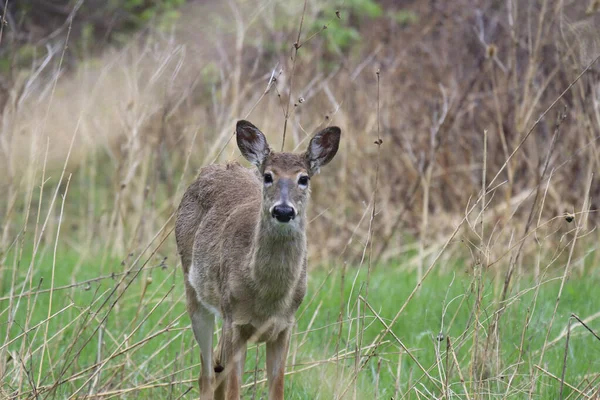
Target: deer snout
<point x="283" y="212"/>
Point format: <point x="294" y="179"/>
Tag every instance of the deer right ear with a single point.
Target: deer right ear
<point x="251" y="142"/>
<point x="322" y="148"/>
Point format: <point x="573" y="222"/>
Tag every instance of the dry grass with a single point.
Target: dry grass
<point x="166" y="103"/>
<point x="487" y="122"/>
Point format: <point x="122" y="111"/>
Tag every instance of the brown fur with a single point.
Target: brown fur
<point x="239" y="262"/>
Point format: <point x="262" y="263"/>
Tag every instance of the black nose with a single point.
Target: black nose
<point x="283" y="213"/>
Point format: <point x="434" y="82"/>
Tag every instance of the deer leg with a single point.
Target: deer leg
<point x="219" y="370"/>
<point x="233" y="355"/>
<point x="277" y="351"/>
<point x="203" y="322"/>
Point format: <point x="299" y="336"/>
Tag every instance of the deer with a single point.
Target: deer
<point x="241" y="237"/>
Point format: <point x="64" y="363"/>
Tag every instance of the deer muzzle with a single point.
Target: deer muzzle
<point x="283" y="213"/>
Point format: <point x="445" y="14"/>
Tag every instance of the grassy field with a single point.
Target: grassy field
<point x="454" y="240"/>
<point x="128" y="336"/>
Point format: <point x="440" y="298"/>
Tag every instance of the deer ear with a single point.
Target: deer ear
<point x="251" y="142"/>
<point x="322" y="148"/>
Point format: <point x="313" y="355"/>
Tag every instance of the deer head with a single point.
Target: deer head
<point x="286" y="176"/>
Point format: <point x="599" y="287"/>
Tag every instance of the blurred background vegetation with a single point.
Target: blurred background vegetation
<point x="150" y="90"/>
<point x="109" y="108"/>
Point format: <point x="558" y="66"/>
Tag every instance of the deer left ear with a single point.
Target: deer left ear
<point x="251" y="142"/>
<point x="322" y="148"/>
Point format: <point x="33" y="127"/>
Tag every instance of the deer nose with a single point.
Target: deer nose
<point x="283" y="213"/>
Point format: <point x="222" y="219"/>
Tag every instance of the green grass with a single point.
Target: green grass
<point x="148" y="349"/>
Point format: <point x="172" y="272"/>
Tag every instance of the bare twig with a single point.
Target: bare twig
<point x="294" y="58"/>
<point x="564" y="367"/>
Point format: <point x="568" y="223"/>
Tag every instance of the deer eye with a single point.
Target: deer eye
<point x="268" y="178"/>
<point x="303" y="181"/>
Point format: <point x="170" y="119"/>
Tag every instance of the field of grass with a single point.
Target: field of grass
<point x="128" y="336"/>
<point x="454" y="239"/>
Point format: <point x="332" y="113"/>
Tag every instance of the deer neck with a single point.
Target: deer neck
<point x="278" y="255"/>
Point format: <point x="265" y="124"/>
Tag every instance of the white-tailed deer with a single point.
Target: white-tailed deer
<point x="241" y="235"/>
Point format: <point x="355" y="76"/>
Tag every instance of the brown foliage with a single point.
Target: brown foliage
<point x="463" y="68"/>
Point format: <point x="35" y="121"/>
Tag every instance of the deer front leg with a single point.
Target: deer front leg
<point x="233" y="356"/>
<point x="220" y="370"/>
<point x="277" y="351"/>
<point x="219" y="375"/>
<point x="203" y="326"/>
